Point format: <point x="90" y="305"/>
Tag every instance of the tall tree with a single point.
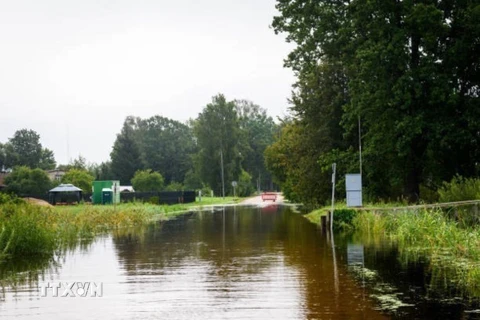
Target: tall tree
<point x="125" y="155"/>
<point x="217" y="133"/>
<point x="47" y="160"/>
<point x="409" y="70"/>
<point x="25" y="149"/>
<point x="257" y="131"/>
<point x="166" y="146"/>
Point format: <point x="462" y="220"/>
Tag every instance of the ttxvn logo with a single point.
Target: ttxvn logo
<point x="72" y="289"/>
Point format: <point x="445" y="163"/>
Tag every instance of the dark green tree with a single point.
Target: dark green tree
<point x="126" y="158"/>
<point x="102" y="171"/>
<point x="166" y="147"/>
<point x="47" y="160"/>
<point x="80" y="178"/>
<point x="25" y="149"/>
<point x="147" y="180"/>
<point x="2" y="157"/>
<point x="217" y="131"/>
<point x="26" y="181"/>
<point x="408" y="71"/>
<point x="257" y="131"/>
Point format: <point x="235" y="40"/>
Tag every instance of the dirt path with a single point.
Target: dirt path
<point x="257" y="201"/>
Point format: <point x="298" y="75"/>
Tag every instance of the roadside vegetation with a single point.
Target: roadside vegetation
<point x="30" y="231"/>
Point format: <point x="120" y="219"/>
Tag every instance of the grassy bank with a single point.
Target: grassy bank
<point x="451" y="247"/>
<point x="28" y="230"/>
<point x="447" y="239"/>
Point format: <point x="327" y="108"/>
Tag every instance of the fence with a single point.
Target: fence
<point x="163" y="197"/>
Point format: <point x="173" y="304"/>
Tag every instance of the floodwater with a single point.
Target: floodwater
<point x="228" y="263"/>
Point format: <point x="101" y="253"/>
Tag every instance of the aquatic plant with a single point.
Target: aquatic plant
<point x="430" y="235"/>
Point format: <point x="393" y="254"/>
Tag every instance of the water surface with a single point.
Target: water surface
<point x="230" y="263"/>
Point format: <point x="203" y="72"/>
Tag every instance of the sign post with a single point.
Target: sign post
<point x="334" y="169"/>
<point x="234" y="185"/>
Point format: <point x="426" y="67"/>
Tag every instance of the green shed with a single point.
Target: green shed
<point x="98" y="186"/>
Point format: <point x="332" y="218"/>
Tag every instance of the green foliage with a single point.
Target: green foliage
<point x="79" y="178"/>
<point x="460" y="189"/>
<point x="257" y="131"/>
<point x="174" y="186"/>
<point x="217" y="131"/>
<point x="126" y="157"/>
<point x="154" y="200"/>
<point x="245" y="187"/>
<point x="394" y="67"/>
<point x="428" y="195"/>
<point x="25" y="149"/>
<point x="192" y="181"/>
<point x="6" y="198"/>
<point x="147" y="180"/>
<point x="2" y="156"/>
<point x="430" y="234"/>
<point x="102" y="171"/>
<point x="24" y="180"/>
<point x="166" y="146"/>
<point x="343" y="219"/>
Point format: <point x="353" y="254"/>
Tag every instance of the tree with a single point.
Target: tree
<point x="147" y="180"/>
<point x="47" y="160"/>
<point x="80" y="178"/>
<point x="102" y="171"/>
<point x="2" y="157"/>
<point x="24" y="149"/>
<point x="257" y="131"/>
<point x="395" y="66"/>
<point x="217" y="133"/>
<point x="26" y="181"/>
<point x="126" y="158"/>
<point x="166" y="146"/>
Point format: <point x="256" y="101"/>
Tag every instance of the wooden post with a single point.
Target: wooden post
<point x="324" y="223"/>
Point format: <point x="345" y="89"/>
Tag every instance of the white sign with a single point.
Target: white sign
<point x="234" y="184"/>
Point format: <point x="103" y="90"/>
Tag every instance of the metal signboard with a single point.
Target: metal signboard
<point x="354" y="190"/>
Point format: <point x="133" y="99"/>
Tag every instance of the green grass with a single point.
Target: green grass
<point x="28" y="230"/>
<point x="452" y="249"/>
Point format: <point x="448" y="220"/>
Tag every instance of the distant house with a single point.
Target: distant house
<point x="126" y="189"/>
<point x="55" y="175"/>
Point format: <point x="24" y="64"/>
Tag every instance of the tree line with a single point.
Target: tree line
<point x="402" y="77"/>
<point x="159" y="153"/>
<point x="190" y="155"/>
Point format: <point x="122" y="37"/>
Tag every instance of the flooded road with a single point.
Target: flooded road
<point x="231" y="263"/>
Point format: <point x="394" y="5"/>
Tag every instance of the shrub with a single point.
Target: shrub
<point x="174" y="186"/>
<point x="460" y="189"/>
<point x="147" y="180"/>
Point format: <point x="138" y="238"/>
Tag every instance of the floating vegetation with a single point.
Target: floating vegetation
<point x="387" y="296"/>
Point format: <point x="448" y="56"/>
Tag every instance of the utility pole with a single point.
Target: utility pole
<point x="360" y="143"/>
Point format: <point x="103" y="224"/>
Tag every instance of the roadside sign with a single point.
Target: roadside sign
<point x="234" y="184"/>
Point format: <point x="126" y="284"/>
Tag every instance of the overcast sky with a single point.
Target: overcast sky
<point x="72" y="70"/>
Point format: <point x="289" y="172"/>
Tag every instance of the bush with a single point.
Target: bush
<point x="147" y="180"/>
<point x="174" y="186"/>
<point x="428" y="195"/>
<point x="79" y="178"/>
<point x="460" y="189"/>
<point x="343" y="219"/>
<point x="24" y="180"/>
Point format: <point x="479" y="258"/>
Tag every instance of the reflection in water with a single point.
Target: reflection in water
<point x="235" y="262"/>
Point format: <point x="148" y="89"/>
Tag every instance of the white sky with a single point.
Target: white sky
<point x="72" y="70"/>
